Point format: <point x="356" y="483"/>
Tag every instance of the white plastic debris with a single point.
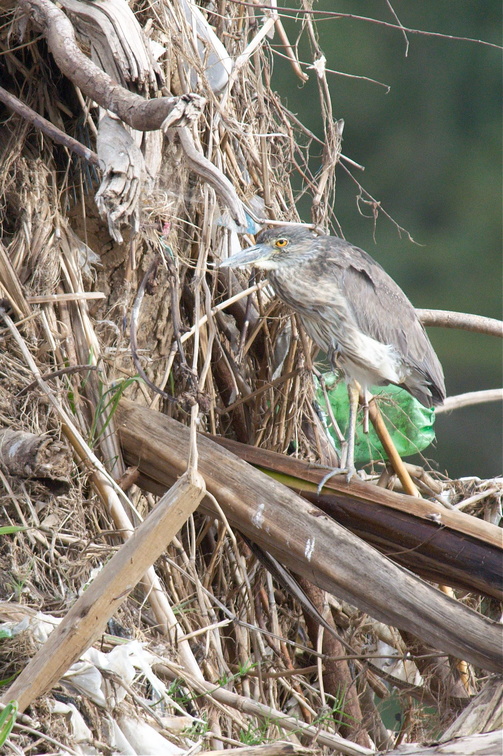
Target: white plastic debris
<point x="144" y="739"/>
<point x="217" y="62"/>
<point x="80" y="731"/>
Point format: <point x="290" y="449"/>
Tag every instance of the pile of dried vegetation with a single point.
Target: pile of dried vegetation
<point x="138" y="147"/>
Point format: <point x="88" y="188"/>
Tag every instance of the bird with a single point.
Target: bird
<point x="353" y="310"/>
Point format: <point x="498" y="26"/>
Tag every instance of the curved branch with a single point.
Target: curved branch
<point x="213" y="176"/>
<point x="470" y="398"/>
<point x="463" y="320"/>
<point x="137" y="112"/>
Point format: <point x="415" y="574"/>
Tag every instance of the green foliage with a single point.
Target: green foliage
<point x="243" y="669"/>
<point x="9" y="529"/>
<point x="178" y="693"/>
<point x="7" y="721"/>
<point x="7" y="680"/>
<point x="333" y="715"/>
<point x="198" y="730"/>
<point x="254" y="734"/>
<point x="18" y="583"/>
<point x="108" y="402"/>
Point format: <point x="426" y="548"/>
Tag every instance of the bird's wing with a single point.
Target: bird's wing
<point x="382" y="311"/>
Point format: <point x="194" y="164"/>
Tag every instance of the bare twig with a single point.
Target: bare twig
<point x="73" y="296"/>
<point x="393" y="13"/>
<point x="400" y="27"/>
<point x="56" y="374"/>
<point x="387" y="442"/>
<point x="462" y="320"/>
<point x="87" y="617"/>
<point x="476" y="498"/>
<point x="41" y="123"/>
<point x="469" y="399"/>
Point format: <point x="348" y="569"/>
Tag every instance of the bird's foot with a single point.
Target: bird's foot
<point x="349" y="471"/>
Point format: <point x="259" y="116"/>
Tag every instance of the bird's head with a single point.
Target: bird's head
<point x="275" y="248"/>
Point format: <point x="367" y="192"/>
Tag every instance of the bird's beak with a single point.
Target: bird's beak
<point x="248" y="256"/>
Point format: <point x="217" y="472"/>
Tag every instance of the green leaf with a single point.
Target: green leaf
<point x="9" y="529"/>
<point x="409" y="423"/>
<point x="107" y="404"/>
<point x="6" y="681"/>
<point x="7" y="721"/>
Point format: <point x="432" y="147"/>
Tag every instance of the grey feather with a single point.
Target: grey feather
<point x="351" y="308"/>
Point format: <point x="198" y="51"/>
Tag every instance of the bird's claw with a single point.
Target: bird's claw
<point x="349" y="471"/>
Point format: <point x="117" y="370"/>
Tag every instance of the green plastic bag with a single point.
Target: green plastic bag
<point x="408" y="422"/>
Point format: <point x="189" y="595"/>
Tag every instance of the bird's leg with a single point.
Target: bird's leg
<point x="344" y="454"/>
<point x="348" y="453"/>
<point x="354" y="398"/>
<point x="333" y="355"/>
<point x="328" y="405"/>
<point x="364" y="401"/>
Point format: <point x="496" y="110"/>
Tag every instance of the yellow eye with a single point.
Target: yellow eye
<point x="280" y="243"/>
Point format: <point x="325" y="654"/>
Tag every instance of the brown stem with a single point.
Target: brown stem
<point x="47" y="127"/>
<point x="463" y="320"/>
<point x="396" y="461"/>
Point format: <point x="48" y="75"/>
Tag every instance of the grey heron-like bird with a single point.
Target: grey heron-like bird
<point x="353" y="310"/>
